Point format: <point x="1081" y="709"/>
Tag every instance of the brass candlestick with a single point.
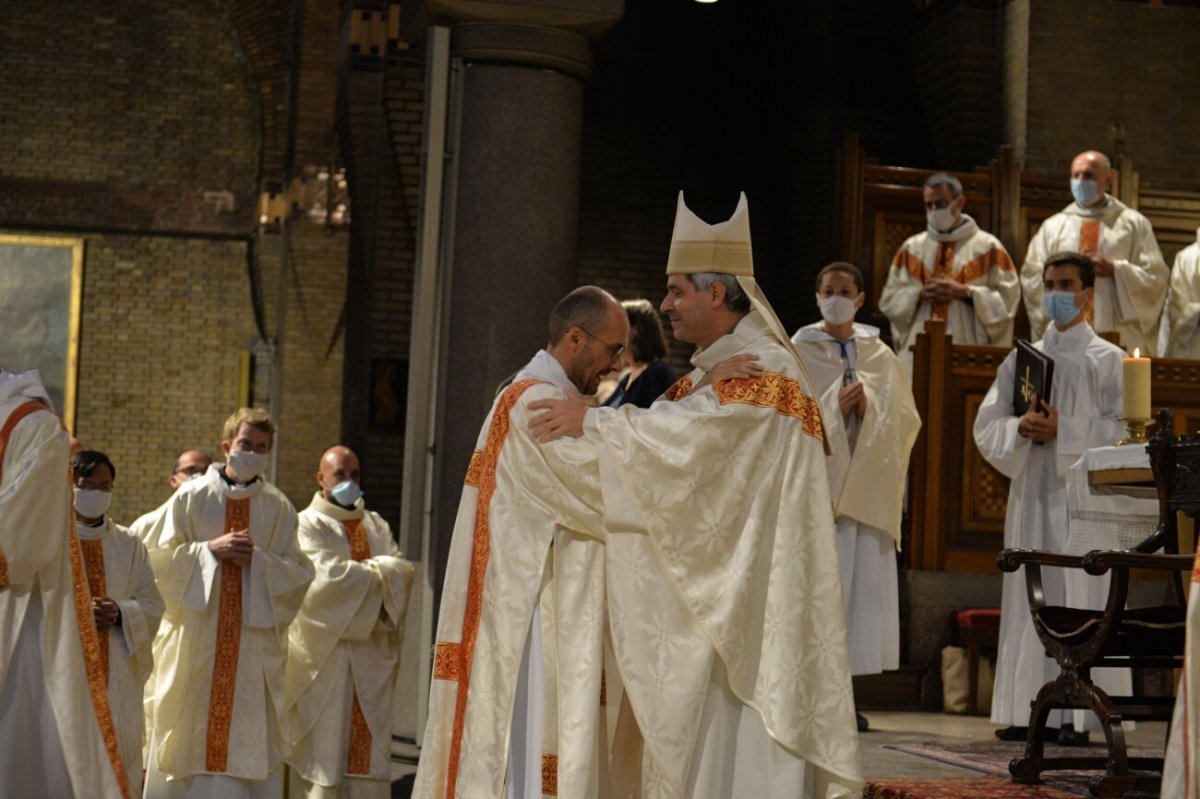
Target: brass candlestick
<point x="1136" y="426"/>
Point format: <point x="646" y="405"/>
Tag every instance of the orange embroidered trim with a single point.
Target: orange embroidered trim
<point x="21" y="411"/>
<point x="229" y="641"/>
<point x="1089" y="235"/>
<point x="93" y="564"/>
<point x="360" y="547"/>
<point x="973" y="269"/>
<point x="910" y="263"/>
<point x="773" y="390"/>
<point x="474" y="470"/>
<point x="943" y="259"/>
<point x="680" y="389"/>
<point x="358" y="760"/>
<point x="549" y="775"/>
<point x="603" y="689"/>
<point x="447" y="661"/>
<point x="480" y="553"/>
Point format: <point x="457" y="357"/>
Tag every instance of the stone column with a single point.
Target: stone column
<point x="516" y="211"/>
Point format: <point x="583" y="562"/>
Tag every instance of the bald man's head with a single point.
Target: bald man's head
<point x="338" y="465"/>
<point x="1091" y="177"/>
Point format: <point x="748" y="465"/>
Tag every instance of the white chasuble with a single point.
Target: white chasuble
<point x="1181" y="771"/>
<point x="866" y="482"/>
<point x="1181" y="314"/>
<point x="344" y="650"/>
<point x="970" y="256"/>
<point x="219" y="661"/>
<point x="1131" y="301"/>
<point x="528" y="537"/>
<point x="56" y="727"/>
<point x="724" y="600"/>
<point x="118" y="567"/>
<point x="1087" y="393"/>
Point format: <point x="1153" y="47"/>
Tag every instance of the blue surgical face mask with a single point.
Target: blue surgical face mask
<point x="1086" y="192"/>
<point x="1060" y="306"/>
<point x="346" y="493"/>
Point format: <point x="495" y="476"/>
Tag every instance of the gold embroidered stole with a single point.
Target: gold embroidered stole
<point x="229" y="641"/>
<point x="93" y="565"/>
<point x="1089" y="236"/>
<point x="358" y="758"/>
<point x="942" y="261"/>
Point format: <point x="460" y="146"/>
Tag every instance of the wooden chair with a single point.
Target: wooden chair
<point x="1080" y="640"/>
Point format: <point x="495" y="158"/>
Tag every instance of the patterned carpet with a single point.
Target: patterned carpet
<point x="959" y="788"/>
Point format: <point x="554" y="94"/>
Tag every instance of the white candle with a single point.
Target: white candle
<point x="1137" y="386"/>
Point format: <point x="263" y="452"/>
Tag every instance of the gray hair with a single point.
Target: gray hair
<point x="735" y="299"/>
<point x="945" y="179"/>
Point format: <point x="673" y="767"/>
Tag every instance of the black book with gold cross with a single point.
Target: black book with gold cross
<point x="1035" y="374"/>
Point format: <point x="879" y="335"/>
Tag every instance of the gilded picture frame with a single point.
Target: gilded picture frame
<point x="41" y="290"/>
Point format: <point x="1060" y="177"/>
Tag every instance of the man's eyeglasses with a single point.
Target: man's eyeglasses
<point x="614" y="350"/>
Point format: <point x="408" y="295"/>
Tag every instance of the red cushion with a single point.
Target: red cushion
<point x="978" y="617"/>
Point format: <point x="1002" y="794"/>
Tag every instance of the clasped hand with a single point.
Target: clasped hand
<point x="943" y="289"/>
<point x="853" y="398"/>
<point x="1039" y="426"/>
<point x="106" y="612"/>
<point x="236" y="546"/>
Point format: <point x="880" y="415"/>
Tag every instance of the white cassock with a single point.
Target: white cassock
<point x="118" y="567"/>
<point x="219" y="661"/>
<point x="57" y="737"/>
<point x="867" y="472"/>
<point x="515" y="704"/>
<point x="1086" y="391"/>
<point x="724" y="598"/>
<point x="1181" y="315"/>
<point x="344" y="655"/>
<point x="1131" y="301"/>
<point x="968" y="255"/>
<point x="1181" y="772"/>
<point x="144" y="525"/>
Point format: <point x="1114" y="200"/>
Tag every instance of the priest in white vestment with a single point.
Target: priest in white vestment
<point x="125" y="603"/>
<point x="344" y="644"/>
<point x="1181" y="314"/>
<point x="188" y="465"/>
<point x="1131" y="275"/>
<point x="57" y="737"/>
<point x="954" y="271"/>
<point x="1035" y="451"/>
<point x="230" y="569"/>
<point x="871" y="422"/>
<point x="1181" y="771"/>
<point x="724" y="599"/>
<point x="516" y="700"/>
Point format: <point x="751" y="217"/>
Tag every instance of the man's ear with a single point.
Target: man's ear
<point x="716" y="293"/>
<point x="960" y="201"/>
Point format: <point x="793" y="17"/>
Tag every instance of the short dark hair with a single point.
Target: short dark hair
<point x="1087" y="269"/>
<point x="179" y="457"/>
<point x="649" y="340"/>
<point x="845" y="267"/>
<point x="585" y="308"/>
<point x="736" y="299"/>
<point x="86" y="462"/>
<point x="945" y="179"/>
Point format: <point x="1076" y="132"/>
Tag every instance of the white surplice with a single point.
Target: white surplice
<point x="219" y="673"/>
<point x="515" y="702"/>
<point x="867" y="472"/>
<point x="1181" y="314"/>
<point x="1086" y="391"/>
<point x="343" y="650"/>
<point x="724" y="598"/>
<point x="129" y="582"/>
<point x="1131" y="301"/>
<point x="56" y="738"/>
<point x="1181" y="771"/>
<point x="968" y="255"/>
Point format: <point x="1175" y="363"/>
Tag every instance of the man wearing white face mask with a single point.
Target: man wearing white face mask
<point x="188" y="465"/>
<point x="231" y="571"/>
<point x="1035" y="451"/>
<point x="872" y="422"/>
<point x="344" y="646"/>
<point x="1131" y="275"/>
<point x="952" y="271"/>
<point x="125" y="603"/>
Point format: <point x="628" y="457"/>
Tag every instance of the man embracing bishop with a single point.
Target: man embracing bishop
<point x="723" y="593"/>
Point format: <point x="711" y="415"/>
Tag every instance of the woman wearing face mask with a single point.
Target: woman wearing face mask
<point x="871" y="423"/>
<point x="125" y="603"/>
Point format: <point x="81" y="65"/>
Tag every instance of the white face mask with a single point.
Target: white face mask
<point x="838" y="310"/>
<point x="942" y="219"/>
<point x="248" y="465"/>
<point x="91" y="503"/>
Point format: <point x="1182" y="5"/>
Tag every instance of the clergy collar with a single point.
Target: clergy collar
<point x="816" y="332"/>
<point x="749" y="328"/>
<point x="322" y="505"/>
<point x="546" y="368"/>
<point x="1111" y="207"/>
<point x="1073" y="338"/>
<point x="90" y="532"/>
<point x="216" y="479"/>
<point x="965" y="229"/>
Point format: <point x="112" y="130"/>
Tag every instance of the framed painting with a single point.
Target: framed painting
<point x="41" y="286"/>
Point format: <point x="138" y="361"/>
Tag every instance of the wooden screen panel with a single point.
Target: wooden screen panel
<point x="985" y="490"/>
<point x="892" y="228"/>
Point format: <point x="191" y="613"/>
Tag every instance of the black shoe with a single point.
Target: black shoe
<point x="863" y="724"/>
<point x="1012" y="733"/>
<point x="1069" y="736"/>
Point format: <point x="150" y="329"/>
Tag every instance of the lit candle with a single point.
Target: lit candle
<point x="1137" y="387"/>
